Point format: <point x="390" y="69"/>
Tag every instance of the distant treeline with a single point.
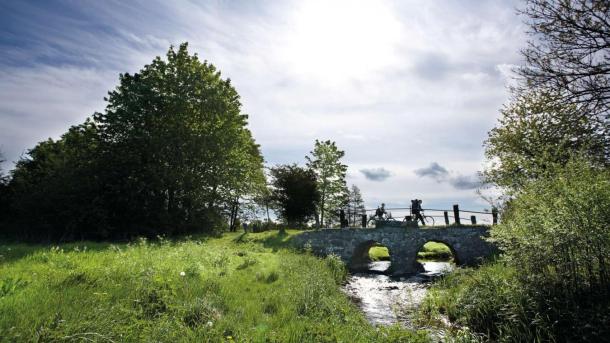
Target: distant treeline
<point x="170" y="154"/>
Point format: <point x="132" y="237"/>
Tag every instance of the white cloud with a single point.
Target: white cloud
<point x="394" y="83"/>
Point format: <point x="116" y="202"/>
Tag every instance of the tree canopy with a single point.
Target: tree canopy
<point x="170" y="153"/>
<point x="294" y="193"/>
<point x="325" y="161"/>
<point x="569" y="52"/>
<point x="534" y="132"/>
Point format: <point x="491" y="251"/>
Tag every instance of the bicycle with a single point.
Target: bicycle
<point x="423" y="216"/>
<point x="373" y="219"/>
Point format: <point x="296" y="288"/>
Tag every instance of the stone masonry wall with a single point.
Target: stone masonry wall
<point x="467" y="243"/>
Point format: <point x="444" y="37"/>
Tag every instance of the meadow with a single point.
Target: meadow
<point x="234" y="288"/>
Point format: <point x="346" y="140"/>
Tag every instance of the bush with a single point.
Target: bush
<point x="552" y="283"/>
<point x="490" y="303"/>
<point x="557" y="234"/>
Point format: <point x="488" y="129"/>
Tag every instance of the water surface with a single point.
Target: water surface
<point x="386" y="300"/>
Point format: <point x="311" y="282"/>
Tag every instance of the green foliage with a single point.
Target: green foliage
<point x="190" y="154"/>
<point x="325" y="162"/>
<point x="535" y="133"/>
<point x="137" y="292"/>
<point x="171" y="153"/>
<point x="294" y="193"/>
<point x="552" y="283"/>
<point x="55" y="193"/>
<point x="490" y="302"/>
<point x="557" y="231"/>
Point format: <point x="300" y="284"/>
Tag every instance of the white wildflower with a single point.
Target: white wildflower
<point x="182" y="274"/>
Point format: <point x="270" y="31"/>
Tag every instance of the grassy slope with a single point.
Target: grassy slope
<point x="433" y="251"/>
<point x="234" y="288"/>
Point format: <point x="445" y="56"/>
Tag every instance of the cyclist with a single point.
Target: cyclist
<point x="380" y="212"/>
<point x="416" y="211"/>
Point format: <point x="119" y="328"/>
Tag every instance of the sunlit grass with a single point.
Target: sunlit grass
<point x="234" y="288"/>
<point x="434" y="251"/>
<point x="379" y="253"/>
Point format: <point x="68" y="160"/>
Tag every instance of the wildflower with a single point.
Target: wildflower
<point x="182" y="273"/>
<point x="209" y="324"/>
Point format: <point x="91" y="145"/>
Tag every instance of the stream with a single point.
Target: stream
<point x="387" y="300"/>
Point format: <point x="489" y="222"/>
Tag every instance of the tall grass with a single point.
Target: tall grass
<point x="245" y="288"/>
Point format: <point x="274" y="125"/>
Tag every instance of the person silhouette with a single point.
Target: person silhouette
<point x="416" y="211"/>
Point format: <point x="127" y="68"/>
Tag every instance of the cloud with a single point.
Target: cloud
<point x="434" y="170"/>
<point x="442" y="175"/>
<point x="376" y="174"/>
<point x="465" y="182"/>
<point x="420" y="79"/>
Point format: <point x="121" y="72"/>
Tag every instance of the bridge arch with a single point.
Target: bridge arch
<point x="454" y="254"/>
<point x="360" y="257"/>
<point x="467" y="243"/>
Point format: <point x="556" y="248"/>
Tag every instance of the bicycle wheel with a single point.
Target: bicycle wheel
<point x="428" y="218"/>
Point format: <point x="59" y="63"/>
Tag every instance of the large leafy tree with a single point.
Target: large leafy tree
<point x="294" y="192"/>
<point x="177" y="143"/>
<point x="171" y="153"/>
<point x="569" y="52"/>
<point x="535" y="132"/>
<point x="325" y="161"/>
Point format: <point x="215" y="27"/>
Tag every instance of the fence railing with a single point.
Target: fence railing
<point x="455" y="212"/>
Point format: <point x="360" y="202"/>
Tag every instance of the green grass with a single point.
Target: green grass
<point x="379" y="253"/>
<point x="435" y="251"/>
<point x="243" y="288"/>
<point x="484" y="304"/>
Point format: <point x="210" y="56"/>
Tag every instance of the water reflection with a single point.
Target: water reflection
<point x="386" y="300"/>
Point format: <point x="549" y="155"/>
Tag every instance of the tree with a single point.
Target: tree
<point x="56" y="190"/>
<point x="556" y="236"/>
<point x="535" y="132"/>
<point x="569" y="52"/>
<point x="170" y="154"/>
<point x="355" y="206"/>
<point x="4" y="191"/>
<point x="177" y="146"/>
<point x="330" y="173"/>
<point x="294" y="193"/>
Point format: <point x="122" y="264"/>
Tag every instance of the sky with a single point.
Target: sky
<point x="408" y="89"/>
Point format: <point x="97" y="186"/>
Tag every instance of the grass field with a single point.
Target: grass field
<point x="379" y="253"/>
<point x="243" y="288"/>
<point x="434" y="251"/>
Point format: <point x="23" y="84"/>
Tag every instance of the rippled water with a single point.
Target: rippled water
<point x="386" y="300"/>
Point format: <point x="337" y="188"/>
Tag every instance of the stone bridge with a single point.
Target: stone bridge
<point x="467" y="244"/>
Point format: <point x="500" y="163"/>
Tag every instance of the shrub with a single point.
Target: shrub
<point x="557" y="234"/>
<point x="552" y="283"/>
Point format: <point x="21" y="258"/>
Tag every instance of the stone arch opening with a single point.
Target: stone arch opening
<point x="436" y="257"/>
<point x="371" y="256"/>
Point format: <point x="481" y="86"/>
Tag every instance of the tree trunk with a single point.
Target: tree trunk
<point x="322" y="210"/>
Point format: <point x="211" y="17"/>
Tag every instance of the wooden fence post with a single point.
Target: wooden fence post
<point x="494" y="215"/>
<point x="446" y="217"/>
<point x="456" y="214"/>
<point x="473" y="220"/>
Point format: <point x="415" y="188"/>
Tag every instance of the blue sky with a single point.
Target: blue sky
<point x="408" y="89"/>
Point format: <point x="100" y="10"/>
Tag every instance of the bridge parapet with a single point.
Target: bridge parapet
<point x="467" y="243"/>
